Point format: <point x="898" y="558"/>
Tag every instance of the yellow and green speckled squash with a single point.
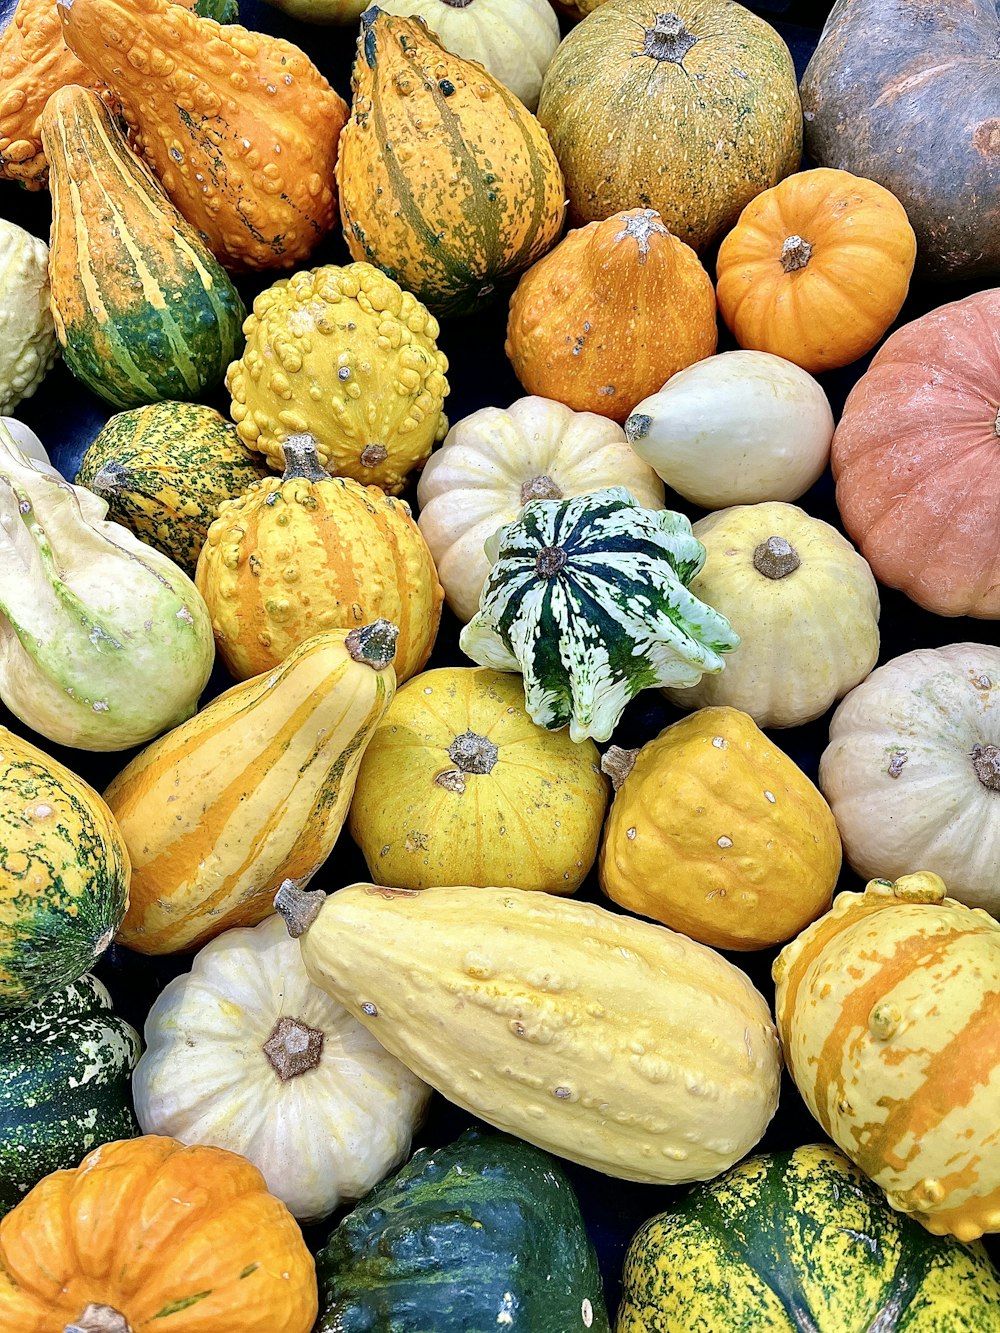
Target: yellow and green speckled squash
<point x="800" y="1242"/>
<point x="163" y="471"/>
<point x="446" y="180"/>
<point x="64" y="884"/>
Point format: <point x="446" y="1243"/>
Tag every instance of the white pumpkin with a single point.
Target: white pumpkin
<point x="245" y="1053"/>
<point x="912" y="770"/>
<point x="514" y="39"/>
<point x="738" y="428"/>
<point x="494" y="461"/>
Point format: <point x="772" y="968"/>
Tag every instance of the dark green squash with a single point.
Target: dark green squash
<point x="480" y="1236"/>
<point x="801" y="1242"/>
<point x="65" y="1066"/>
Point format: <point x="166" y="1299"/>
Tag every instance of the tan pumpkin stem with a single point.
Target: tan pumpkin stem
<point x="549" y="561"/>
<point x="618" y="764"/>
<point x="298" y="908"/>
<point x="373" y="644"/>
<point x="302" y="459"/>
<point x="795" y="254"/>
<point x="540" y="488"/>
<point x="668" y="39"/>
<point x="293" y="1048"/>
<point x="775" y="558"/>
<point x="100" y="1319"/>
<point x="473" y="754"/>
<point x="986" y="762"/>
<point x="996" y="424"/>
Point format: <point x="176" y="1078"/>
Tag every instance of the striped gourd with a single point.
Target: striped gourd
<point x="446" y="180"/>
<point x="142" y="310"/>
<point x="64" y="1084"/>
<point x="65" y="874"/>
<point x="252" y="790"/>
<point x="800" y="1242"/>
<point x="889" y="1010"/>
<point x="587" y="598"/>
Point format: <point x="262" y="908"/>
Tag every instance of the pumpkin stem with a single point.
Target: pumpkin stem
<point x="641" y="226"/>
<point x="549" y="561"/>
<point x="775" y="558"/>
<point x="293" y="1048"/>
<point x="302" y="459"/>
<point x="373" y="644"/>
<point x="299" y="908"/>
<point x="618" y="764"/>
<point x="109" y="478"/>
<point x="100" y="1319"/>
<point x="986" y="762"/>
<point x="637" y="427"/>
<point x="473" y="754"/>
<point x="457" y="4"/>
<point x="996" y="424"/>
<point x="668" y="39"/>
<point x="373" y="454"/>
<point x="540" y="488"/>
<point x="795" y="253"/>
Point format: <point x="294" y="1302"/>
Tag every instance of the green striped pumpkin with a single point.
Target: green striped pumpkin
<point x="801" y="1242"/>
<point x="587" y="598"/>
<point x="142" y="310"/>
<point x="65" y="1066"/>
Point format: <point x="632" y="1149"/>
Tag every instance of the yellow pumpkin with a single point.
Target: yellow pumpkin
<point x="297" y="555"/>
<point x="458" y="786"/>
<point x="715" y="832"/>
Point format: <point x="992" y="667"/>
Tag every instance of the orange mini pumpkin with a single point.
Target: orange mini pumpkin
<point x="147" y="1231"/>
<point x="610" y="314"/>
<point x="816" y="268"/>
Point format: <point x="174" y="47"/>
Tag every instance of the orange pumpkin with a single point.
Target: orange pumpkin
<point x="610" y="314"/>
<point x="148" y="1233"/>
<point x="816" y="269"/>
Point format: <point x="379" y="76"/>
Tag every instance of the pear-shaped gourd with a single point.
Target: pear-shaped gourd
<point x="104" y="643"/>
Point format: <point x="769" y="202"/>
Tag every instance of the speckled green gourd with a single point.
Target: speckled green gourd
<point x="65" y="1065"/>
<point x="165" y="469"/>
<point x="481" y="1235"/>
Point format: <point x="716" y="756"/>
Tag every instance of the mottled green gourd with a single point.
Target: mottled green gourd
<point x="481" y="1235"/>
<point x="65" y="1065"/>
<point x="588" y="599"/>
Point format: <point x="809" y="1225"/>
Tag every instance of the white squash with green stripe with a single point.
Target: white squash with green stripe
<point x="587" y="598"/>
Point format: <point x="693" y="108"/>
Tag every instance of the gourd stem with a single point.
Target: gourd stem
<point x="618" y="764"/>
<point x="986" y="762"/>
<point x="473" y="754"/>
<point x="373" y="454"/>
<point x="302" y="459"/>
<point x="549" y="561"/>
<point x="668" y="39"/>
<point x="996" y="424"/>
<point x="640" y="226"/>
<point x="373" y="644"/>
<point x="775" y="558"/>
<point x="795" y="254"/>
<point x="111" y="476"/>
<point x="541" y="487"/>
<point x="293" y="1048"/>
<point x="298" y="908"/>
<point x="100" y="1319"/>
<point x="457" y="4"/>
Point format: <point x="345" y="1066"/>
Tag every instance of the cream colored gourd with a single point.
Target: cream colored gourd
<point x="912" y="770"/>
<point x="104" y="642"/>
<point x="513" y="39"/>
<point x="28" y="344"/>
<point x="244" y="1052"/>
<point x="804" y="603"/>
<point x="607" y="1040"/>
<point x="30" y="445"/>
<point x="496" y="460"/>
<point x="738" y="428"/>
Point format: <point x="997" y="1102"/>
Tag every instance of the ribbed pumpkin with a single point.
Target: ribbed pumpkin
<point x="816" y="269"/>
<point x="715" y="832"/>
<point x="446" y="180"/>
<point x="147" y="1230"/>
<point x="458" y="786"/>
<point x="252" y="790"/>
<point x="347" y="355"/>
<point x="610" y="314"/>
<point x="305" y="553"/>
<point x="142" y="310"/>
<point x="689" y="107"/>
<point x="165" y="469"/>
<point x="240" y="128"/>
<point x="888" y="1009"/>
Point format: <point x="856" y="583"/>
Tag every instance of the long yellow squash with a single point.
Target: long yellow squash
<point x="607" y="1040"/>
<point x="251" y="791"/>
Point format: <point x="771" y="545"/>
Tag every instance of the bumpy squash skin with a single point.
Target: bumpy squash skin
<point x="370" y="387"/>
<point x="252" y="790"/>
<point x="483" y="1225"/>
<point x="240" y="128"/>
<point x="797" y="1241"/>
<point x="165" y="469"/>
<point x="715" y="832"/>
<point x="447" y="182"/>
<point x="142" y="310"/>
<point x="65" y="1064"/>
<point x="65" y="874"/>
<point x="552" y="1019"/>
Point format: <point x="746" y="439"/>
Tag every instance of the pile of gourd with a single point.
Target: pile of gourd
<point x="193" y="165"/>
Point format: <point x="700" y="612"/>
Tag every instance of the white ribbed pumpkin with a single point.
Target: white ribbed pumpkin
<point x="245" y="1053"/>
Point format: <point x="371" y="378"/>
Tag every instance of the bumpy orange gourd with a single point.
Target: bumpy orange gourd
<point x="306" y="552"/>
<point x="816" y="269"/>
<point x="610" y="314"/>
<point x="715" y="832"/>
<point x="147" y="1233"/>
<point x="240" y="128"/>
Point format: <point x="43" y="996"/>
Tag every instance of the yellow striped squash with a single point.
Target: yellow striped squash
<point x="889" y="1014"/>
<point x="251" y="791"/>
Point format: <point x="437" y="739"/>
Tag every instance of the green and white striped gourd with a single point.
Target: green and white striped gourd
<point x="65" y="1065"/>
<point x="587" y="598"/>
